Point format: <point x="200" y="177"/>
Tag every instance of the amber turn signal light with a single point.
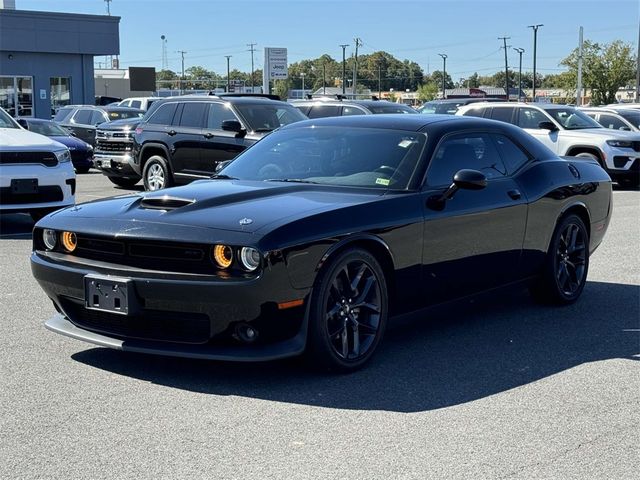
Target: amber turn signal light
<point x="223" y="255"/>
<point x="69" y="241"/>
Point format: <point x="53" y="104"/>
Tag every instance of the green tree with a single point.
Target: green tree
<point x="605" y="68"/>
<point x="436" y="77"/>
<point x="427" y="91"/>
<point x="167" y="79"/>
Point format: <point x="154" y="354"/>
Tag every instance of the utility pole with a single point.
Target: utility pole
<point x="520" y="52"/>
<point x="506" y="67"/>
<point x="324" y="77"/>
<point x="638" y="68"/>
<point x="108" y="60"/>
<point x="344" y="69"/>
<point x="182" y="52"/>
<point x="579" y="86"/>
<point x="535" y="44"/>
<point x="355" y="67"/>
<point x="444" y="73"/>
<point x="302" y="74"/>
<point x="228" y="77"/>
<point x="379" y="82"/>
<point x="251" y="49"/>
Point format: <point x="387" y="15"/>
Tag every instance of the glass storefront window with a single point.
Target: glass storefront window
<point x="60" y="93"/>
<point x="16" y="95"/>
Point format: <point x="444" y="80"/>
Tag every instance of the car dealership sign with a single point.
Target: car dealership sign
<point x="275" y="66"/>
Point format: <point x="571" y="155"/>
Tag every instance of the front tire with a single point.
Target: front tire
<point x="348" y="312"/>
<point x="156" y="174"/>
<point x="82" y="169"/>
<point x="566" y="264"/>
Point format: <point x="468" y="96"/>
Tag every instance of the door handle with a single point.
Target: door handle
<point x="208" y="135"/>
<point x="515" y="194"/>
<point x="171" y="133"/>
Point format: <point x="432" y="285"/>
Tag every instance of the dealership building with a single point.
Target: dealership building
<point x="47" y="58"/>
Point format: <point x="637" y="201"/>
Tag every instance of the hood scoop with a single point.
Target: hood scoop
<point x="165" y="202"/>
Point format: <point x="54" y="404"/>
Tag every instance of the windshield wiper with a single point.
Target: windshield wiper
<point x="292" y="180"/>
<point x="222" y="176"/>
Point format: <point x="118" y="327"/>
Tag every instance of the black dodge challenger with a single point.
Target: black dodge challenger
<point x="311" y="239"/>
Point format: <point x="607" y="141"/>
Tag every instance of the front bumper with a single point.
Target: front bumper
<point x="56" y="186"/>
<point x="183" y="315"/>
<point x="622" y="163"/>
<point x="115" y="165"/>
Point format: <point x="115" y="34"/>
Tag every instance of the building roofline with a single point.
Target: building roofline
<point x="58" y="15"/>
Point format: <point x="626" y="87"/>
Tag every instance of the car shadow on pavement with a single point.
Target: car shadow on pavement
<point x="15" y="226"/>
<point x="452" y="355"/>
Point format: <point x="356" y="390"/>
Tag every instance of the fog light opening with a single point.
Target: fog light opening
<point x="245" y="333"/>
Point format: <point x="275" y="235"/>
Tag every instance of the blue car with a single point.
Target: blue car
<point x="81" y="152"/>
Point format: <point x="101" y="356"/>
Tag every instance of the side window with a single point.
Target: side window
<point x="352" y="111"/>
<point x="512" y="155"/>
<point x="474" y="112"/>
<point x="503" y="114"/>
<point x="97" y="117"/>
<point x="62" y="114"/>
<point x="193" y="114"/>
<point x="530" y="118"/>
<point x="164" y="114"/>
<point x="322" y="111"/>
<point x="473" y="150"/>
<point x="82" y="116"/>
<point x="609" y="121"/>
<point x="304" y="109"/>
<point x="135" y="103"/>
<point x="217" y="114"/>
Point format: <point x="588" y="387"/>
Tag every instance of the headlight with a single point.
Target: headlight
<point x="50" y="238"/>
<point x="69" y="241"/>
<point x="223" y="255"/>
<point x="63" y="155"/>
<point x="620" y="143"/>
<point x="249" y="258"/>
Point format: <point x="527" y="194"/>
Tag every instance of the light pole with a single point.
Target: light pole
<point x="302" y="76"/>
<point x="535" y="43"/>
<point x="344" y="69"/>
<point x="324" y="81"/>
<point x="444" y="73"/>
<point x="251" y="49"/>
<point x="228" y="78"/>
<point x="520" y="52"/>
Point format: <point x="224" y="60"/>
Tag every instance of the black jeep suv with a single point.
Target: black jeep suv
<point x="184" y="138"/>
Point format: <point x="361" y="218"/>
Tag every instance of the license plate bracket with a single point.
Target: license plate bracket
<point x="24" y="186"/>
<point x="110" y="294"/>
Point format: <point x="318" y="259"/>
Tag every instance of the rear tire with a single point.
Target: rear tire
<point x="156" y="174"/>
<point x="348" y="312"/>
<point x="566" y="264"/>
<point x="124" y="182"/>
<point x="82" y="169"/>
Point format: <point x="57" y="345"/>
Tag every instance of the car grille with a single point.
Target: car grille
<point x="164" y="256"/>
<point x="168" y="326"/>
<point x="48" y="159"/>
<point x="110" y="147"/>
<point x="52" y="193"/>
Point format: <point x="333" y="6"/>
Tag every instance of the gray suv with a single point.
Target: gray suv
<point x="329" y="107"/>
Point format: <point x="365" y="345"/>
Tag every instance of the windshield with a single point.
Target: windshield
<point x="6" y="121"/>
<point x="120" y="115"/>
<point x="49" y="129"/>
<point x="360" y="157"/>
<point x="448" y="108"/>
<point x="264" y="118"/>
<point x="631" y="116"/>
<point x="390" y="108"/>
<point x="572" y="119"/>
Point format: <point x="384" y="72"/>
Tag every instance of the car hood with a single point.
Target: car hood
<point x="72" y="142"/>
<point x="232" y="205"/>
<point x="120" y="125"/>
<point x="18" y="139"/>
<point x="604" y="133"/>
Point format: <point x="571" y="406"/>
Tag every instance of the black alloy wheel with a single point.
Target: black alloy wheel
<point x="124" y="182"/>
<point x="348" y="311"/>
<point x="156" y="174"/>
<point x="567" y="263"/>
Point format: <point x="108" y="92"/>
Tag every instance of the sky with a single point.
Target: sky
<point x="466" y="31"/>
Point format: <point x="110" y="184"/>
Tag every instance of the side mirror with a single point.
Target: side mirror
<point x="548" y="125"/>
<point x="232" y="126"/>
<point x="464" y="179"/>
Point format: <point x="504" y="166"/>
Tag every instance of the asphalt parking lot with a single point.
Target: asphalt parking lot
<point x="498" y="387"/>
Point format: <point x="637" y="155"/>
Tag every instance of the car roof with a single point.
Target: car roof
<point x="252" y="100"/>
<point x="346" y="101"/>
<point x="35" y="120"/>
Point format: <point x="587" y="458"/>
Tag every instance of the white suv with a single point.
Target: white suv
<point x="143" y="103"/>
<point x="36" y="173"/>
<point x="569" y="131"/>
